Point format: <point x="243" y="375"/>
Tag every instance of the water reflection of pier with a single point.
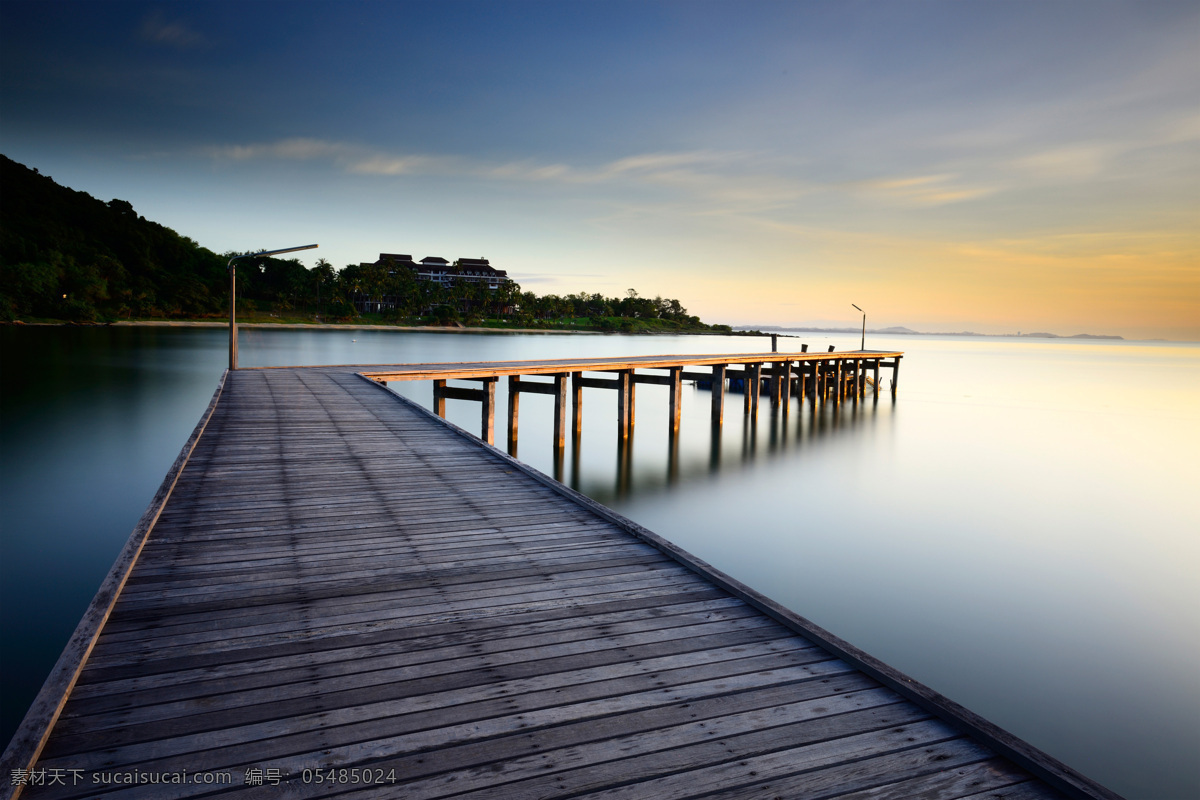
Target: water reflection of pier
<point x="778" y="431"/>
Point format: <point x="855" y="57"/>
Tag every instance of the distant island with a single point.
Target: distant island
<point x="66" y="257"/>
<point x="902" y="331"/>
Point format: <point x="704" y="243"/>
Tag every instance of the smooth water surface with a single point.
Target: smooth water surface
<point x="1018" y="530"/>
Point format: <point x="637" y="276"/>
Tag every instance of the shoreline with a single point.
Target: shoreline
<point x="361" y="327"/>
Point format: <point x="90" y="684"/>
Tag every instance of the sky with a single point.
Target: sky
<point x="987" y="166"/>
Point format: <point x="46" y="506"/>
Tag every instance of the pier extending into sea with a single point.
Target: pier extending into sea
<point x="335" y="593"/>
<point x="823" y="377"/>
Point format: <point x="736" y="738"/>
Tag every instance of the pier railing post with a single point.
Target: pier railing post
<point x="718" y="394"/>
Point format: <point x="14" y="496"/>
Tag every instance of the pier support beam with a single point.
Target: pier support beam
<point x="558" y="389"/>
<point x="486" y="394"/>
<point x="718" y="394"/>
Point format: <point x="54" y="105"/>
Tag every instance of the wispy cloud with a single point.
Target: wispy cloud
<point x="924" y="190"/>
<point x="707" y="173"/>
<point x="157" y="29"/>
<point x="703" y="181"/>
<point x="1073" y="161"/>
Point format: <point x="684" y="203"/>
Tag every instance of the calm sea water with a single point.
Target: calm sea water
<point x="1018" y="530"/>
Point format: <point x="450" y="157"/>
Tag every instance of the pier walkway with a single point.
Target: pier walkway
<point x="336" y="594"/>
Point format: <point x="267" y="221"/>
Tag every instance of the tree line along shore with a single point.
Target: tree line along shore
<point x="67" y="257"/>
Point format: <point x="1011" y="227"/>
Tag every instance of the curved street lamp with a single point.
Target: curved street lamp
<point x="233" y="294"/>
<point x="863" y="346"/>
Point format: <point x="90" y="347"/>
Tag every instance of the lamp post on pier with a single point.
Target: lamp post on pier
<point x="233" y="353"/>
<point x="863" y="346"/>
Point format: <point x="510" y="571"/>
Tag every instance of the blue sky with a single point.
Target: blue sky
<point x="946" y="165"/>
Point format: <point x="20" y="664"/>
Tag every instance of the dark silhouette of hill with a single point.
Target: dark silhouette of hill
<point x="66" y="255"/>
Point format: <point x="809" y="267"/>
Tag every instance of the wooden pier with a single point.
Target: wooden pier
<point x="337" y="594"/>
<point x="823" y="377"/>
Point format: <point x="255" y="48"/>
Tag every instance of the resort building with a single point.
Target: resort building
<point x="441" y="271"/>
<point x="435" y="270"/>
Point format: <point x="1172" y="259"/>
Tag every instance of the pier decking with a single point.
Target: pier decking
<point x="336" y="594"/>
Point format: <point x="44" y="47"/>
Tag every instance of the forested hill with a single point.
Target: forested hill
<point x="64" y="255"/>
<point x="108" y="261"/>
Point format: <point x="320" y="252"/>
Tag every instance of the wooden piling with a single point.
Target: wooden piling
<point x="753" y="389"/>
<point x="718" y="394"/>
<point x="488" y="422"/>
<point x="785" y="385"/>
<point x="676" y="410"/>
<point x="576" y="404"/>
<point x="560" y="411"/>
<point x="632" y="399"/>
<point x="514" y="402"/>
<point x="439" y="398"/>
<point x="624" y="400"/>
